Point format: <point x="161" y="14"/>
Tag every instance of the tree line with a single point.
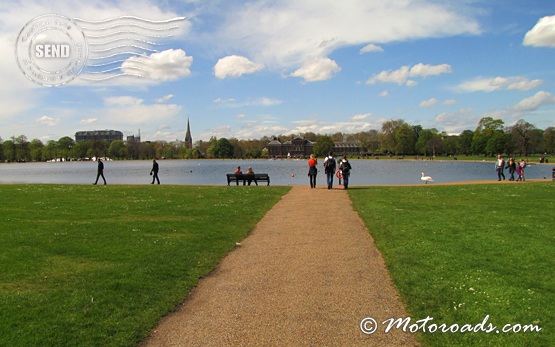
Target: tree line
<point x="396" y="137"/>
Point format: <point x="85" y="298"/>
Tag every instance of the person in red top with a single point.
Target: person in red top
<point x="312" y="171"/>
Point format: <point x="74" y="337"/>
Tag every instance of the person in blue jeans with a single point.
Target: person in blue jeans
<point x="329" y="169"/>
<point x="345" y="168"/>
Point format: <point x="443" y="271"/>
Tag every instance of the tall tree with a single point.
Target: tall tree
<point x="424" y="144"/>
<point x="497" y="143"/>
<point x="65" y="147"/>
<point x="487" y="127"/>
<point x="9" y="150"/>
<point x="323" y="146"/>
<point x="549" y="140"/>
<point x="2" y="158"/>
<point x="405" y="139"/>
<point x="36" y="147"/>
<point x="117" y="149"/>
<point x="222" y="149"/>
<point x="464" y="142"/>
<point x="521" y="133"/>
<point x="388" y="142"/>
<point x="22" y="151"/>
<point x="50" y="150"/>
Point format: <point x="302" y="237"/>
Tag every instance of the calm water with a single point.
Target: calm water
<point x="213" y="172"/>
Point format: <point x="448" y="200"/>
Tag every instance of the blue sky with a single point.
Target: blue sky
<point x="249" y="69"/>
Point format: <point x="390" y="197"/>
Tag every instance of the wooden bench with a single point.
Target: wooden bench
<point x="248" y="178"/>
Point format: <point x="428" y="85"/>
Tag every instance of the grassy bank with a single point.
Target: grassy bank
<point x="99" y="265"/>
<point x="460" y="253"/>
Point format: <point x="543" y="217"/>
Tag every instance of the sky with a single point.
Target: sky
<point x="248" y="69"/>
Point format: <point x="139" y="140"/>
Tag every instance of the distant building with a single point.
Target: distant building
<point x="188" y="138"/>
<point x="296" y="148"/>
<point x="98" y="135"/>
<point x="134" y="138"/>
<point x="346" y="148"/>
<point x="302" y="148"/>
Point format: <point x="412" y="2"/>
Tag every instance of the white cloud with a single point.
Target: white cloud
<point x="359" y="117"/>
<point x="48" y="121"/>
<point x="425" y="70"/>
<point x="384" y="93"/>
<point x="456" y="122"/>
<point x="449" y="102"/>
<point x="131" y="110"/>
<point x="253" y="131"/>
<point x="164" y="98"/>
<point x="428" y="103"/>
<point x="268" y="102"/>
<point x="534" y="102"/>
<point x="498" y="83"/>
<point x="401" y="76"/>
<point x="288" y="33"/>
<point x="88" y="121"/>
<point x="232" y="103"/>
<point x="223" y="101"/>
<point x="122" y="101"/>
<point x="168" y="65"/>
<point x="542" y="34"/>
<point x="319" y="69"/>
<point x="355" y="124"/>
<point x="235" y="66"/>
<point x="371" y="48"/>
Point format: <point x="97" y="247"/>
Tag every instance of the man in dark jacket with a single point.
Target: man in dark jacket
<point x="329" y="169"/>
<point x="154" y="171"/>
<point x="345" y="168"/>
<point x="100" y="171"/>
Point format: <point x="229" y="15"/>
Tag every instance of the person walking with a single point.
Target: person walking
<point x="500" y="167"/>
<point x="522" y="166"/>
<point x="100" y="171"/>
<point x="312" y="170"/>
<point x="512" y="168"/>
<point x="154" y="171"/>
<point x="345" y="168"/>
<point x="329" y="169"/>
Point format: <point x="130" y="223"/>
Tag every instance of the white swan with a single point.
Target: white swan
<point x="426" y="178"/>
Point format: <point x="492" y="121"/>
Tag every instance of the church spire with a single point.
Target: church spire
<point x="188" y="138"/>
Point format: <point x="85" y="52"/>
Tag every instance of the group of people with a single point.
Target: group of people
<point x="513" y="166"/>
<point x="239" y="172"/>
<point x="153" y="171"/>
<point x="249" y="172"/>
<point x="330" y="165"/>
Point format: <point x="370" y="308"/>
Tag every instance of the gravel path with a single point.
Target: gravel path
<point x="306" y="276"/>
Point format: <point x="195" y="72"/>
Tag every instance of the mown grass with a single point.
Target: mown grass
<point x="460" y="253"/>
<point x="98" y="266"/>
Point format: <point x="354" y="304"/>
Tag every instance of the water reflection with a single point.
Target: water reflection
<point x="282" y="172"/>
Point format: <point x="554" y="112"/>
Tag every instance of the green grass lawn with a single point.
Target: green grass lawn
<point x="99" y="265"/>
<point x="460" y="253"/>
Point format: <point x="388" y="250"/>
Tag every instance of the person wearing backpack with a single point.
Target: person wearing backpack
<point x="329" y="169"/>
<point x="345" y="168"/>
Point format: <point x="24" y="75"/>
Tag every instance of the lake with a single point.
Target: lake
<point x="282" y="172"/>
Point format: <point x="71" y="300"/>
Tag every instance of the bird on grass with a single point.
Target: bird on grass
<point x="426" y="178"/>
